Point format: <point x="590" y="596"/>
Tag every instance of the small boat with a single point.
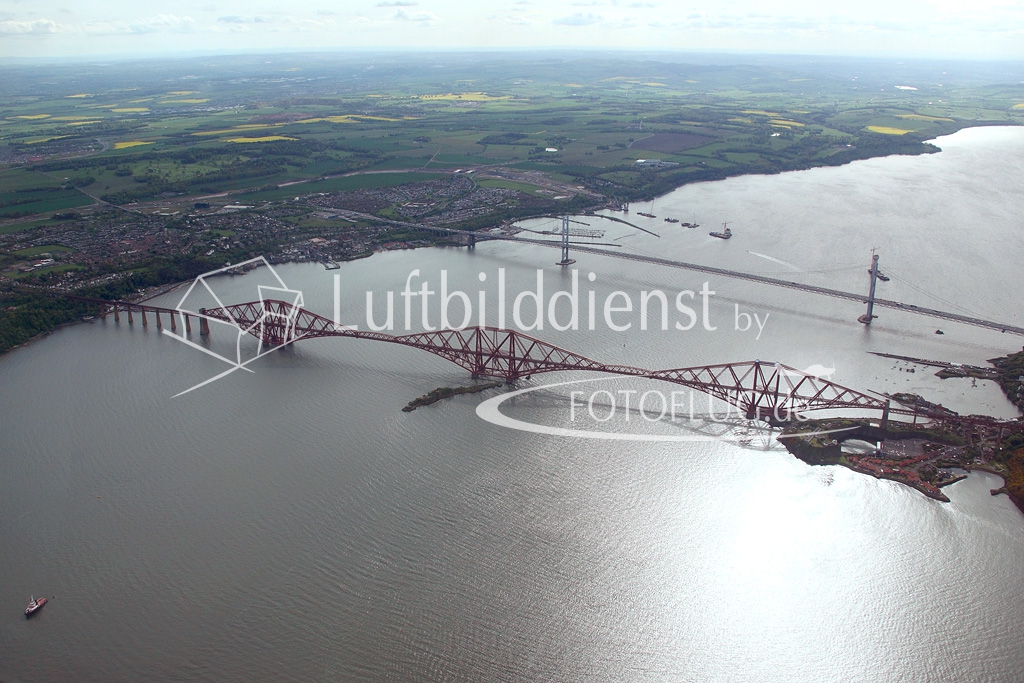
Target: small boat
<point x="725" y="234"/>
<point x="649" y="215"/>
<point x="883" y="278"/>
<point x="671" y="220"/>
<point x="690" y="225"/>
<point x="34" y="605"/>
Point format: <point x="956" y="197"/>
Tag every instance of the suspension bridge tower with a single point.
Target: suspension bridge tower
<point x="566" y="261"/>
<point x="873" y="271"/>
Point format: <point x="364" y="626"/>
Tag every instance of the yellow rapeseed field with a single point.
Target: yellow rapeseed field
<point x="921" y="117"/>
<point x="266" y="138"/>
<point x="465" y="97"/>
<point x="348" y="118"/>
<point x="38" y="140"/>
<point x="887" y="130"/>
<point x="244" y="127"/>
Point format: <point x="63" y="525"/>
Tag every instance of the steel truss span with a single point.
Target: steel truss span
<point x="760" y="389"/>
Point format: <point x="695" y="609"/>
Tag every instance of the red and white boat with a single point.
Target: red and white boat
<point x="35" y="605"/>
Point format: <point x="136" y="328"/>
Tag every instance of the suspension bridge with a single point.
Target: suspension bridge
<point x="869" y="299"/>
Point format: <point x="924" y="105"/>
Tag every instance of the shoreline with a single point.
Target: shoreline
<point x="1002" y="490"/>
<point x="927" y="471"/>
<point x="605" y="205"/>
<point x="936" y="494"/>
<point x="139" y="298"/>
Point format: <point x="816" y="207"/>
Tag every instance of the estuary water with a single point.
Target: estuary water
<point x="293" y="524"/>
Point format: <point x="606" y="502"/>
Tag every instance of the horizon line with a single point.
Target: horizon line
<point x="79" y="59"/>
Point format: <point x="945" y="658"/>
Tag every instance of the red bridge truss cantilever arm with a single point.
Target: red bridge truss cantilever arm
<point x="758" y="388"/>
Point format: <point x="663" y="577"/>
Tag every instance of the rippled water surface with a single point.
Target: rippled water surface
<point x="292" y="524"/>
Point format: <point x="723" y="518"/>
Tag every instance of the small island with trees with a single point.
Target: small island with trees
<point x="447" y="392"/>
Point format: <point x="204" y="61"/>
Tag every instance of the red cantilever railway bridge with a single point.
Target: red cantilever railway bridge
<point x="760" y="389"/>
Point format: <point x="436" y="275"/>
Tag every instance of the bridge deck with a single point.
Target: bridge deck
<point x="711" y="270"/>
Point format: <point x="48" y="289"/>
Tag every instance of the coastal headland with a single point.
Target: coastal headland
<point x="923" y="457"/>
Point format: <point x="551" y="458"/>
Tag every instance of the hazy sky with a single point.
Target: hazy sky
<point x="982" y="29"/>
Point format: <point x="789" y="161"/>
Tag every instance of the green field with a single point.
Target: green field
<point x="36" y="251"/>
<point x="170" y="144"/>
<point x="508" y="184"/>
<point x="127" y="138"/>
<point x="19" y="226"/>
<point x="353" y="182"/>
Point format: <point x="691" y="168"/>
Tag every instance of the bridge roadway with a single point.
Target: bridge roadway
<point x="711" y="270"/>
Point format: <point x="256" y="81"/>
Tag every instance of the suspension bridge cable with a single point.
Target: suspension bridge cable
<point x="921" y="290"/>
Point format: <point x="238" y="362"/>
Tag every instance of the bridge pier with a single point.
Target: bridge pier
<point x="173" y="325"/>
<point x="130" y="319"/>
<point x="884" y="424"/>
<point x="204" y="324"/>
<point x="188" y="323"/>
<point x="145" y="323"/>
<point x="117" y="316"/>
<point x="158" y="325"/>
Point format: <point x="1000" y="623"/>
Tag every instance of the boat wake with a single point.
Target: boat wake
<point x="796" y="268"/>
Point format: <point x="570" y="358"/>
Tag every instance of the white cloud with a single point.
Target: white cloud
<point x="161" y="23"/>
<point x="938" y="28"/>
<point x="514" y="19"/>
<point x="578" y="19"/>
<point x="419" y="17"/>
<point x="39" y="26"/>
